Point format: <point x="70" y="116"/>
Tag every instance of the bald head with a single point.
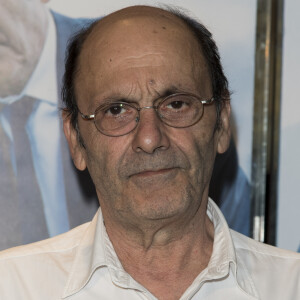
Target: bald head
<point x="137" y="36"/>
<point x="139" y="11"/>
<point x="136" y="26"/>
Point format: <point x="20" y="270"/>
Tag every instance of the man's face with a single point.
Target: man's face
<point x="23" y="26"/>
<point x="156" y="171"/>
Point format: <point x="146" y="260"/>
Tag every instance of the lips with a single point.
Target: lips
<point x="154" y="178"/>
<point x="147" y="173"/>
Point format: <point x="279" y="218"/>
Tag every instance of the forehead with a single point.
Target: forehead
<point x="137" y="43"/>
<point x="138" y="23"/>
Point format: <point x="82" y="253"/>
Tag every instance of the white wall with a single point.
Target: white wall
<point x="289" y="179"/>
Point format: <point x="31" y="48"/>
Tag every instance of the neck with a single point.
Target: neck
<point x="167" y="255"/>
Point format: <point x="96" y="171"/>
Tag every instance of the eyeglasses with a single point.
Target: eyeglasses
<point x="120" y="118"/>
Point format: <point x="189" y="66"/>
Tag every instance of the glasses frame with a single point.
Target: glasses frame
<point x="155" y="107"/>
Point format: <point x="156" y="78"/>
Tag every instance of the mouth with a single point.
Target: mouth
<point x="153" y="178"/>
<point x="157" y="175"/>
<point x="153" y="172"/>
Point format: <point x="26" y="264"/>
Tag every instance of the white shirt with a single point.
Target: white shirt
<point x="43" y="129"/>
<point x="45" y="134"/>
<point x="82" y="265"/>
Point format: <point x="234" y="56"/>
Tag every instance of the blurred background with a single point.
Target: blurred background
<point x="259" y="44"/>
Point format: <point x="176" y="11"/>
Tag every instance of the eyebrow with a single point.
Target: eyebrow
<point x="169" y="91"/>
<point x="165" y="93"/>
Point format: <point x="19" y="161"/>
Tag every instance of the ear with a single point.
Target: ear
<point x="77" y="150"/>
<point x="224" y="131"/>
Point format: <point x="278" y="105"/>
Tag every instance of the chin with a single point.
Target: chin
<point x="157" y="206"/>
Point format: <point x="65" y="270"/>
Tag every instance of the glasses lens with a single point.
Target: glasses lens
<point x="116" y="119"/>
<point x="180" y="110"/>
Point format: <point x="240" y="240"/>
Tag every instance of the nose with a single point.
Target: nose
<point x="150" y="134"/>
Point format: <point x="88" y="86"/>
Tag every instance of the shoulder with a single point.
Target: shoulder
<point x="58" y="244"/>
<point x="39" y="270"/>
<point x="274" y="272"/>
<point x="244" y="243"/>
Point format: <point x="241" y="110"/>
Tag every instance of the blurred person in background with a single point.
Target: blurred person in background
<point x="41" y="194"/>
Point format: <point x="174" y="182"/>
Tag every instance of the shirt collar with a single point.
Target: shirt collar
<point x="90" y="255"/>
<point x="223" y="250"/>
<point x="42" y="84"/>
<point x="96" y="251"/>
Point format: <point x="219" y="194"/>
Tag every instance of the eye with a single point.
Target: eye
<point x="176" y="104"/>
<point x="116" y="109"/>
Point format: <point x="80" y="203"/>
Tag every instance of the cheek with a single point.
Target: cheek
<point x="103" y="156"/>
<point x="98" y="159"/>
<point x="199" y="146"/>
<point x="101" y="166"/>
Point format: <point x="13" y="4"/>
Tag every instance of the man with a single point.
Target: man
<point x="41" y="194"/>
<point x="146" y="112"/>
<point x="46" y="195"/>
